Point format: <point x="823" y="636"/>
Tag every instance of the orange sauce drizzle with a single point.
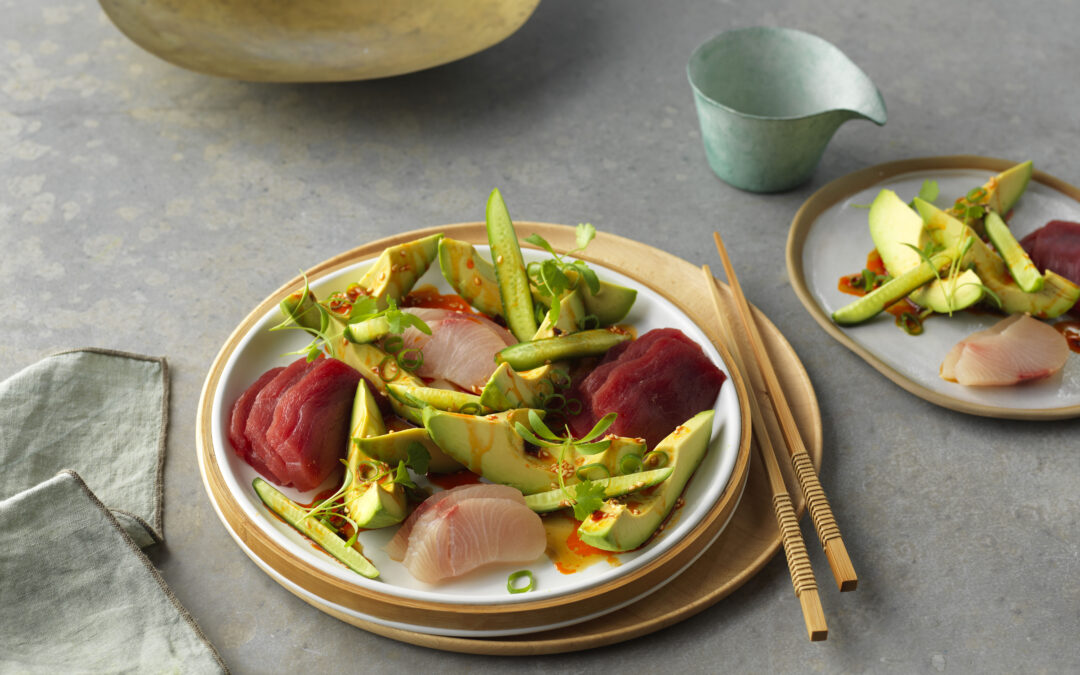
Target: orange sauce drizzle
<point x="566" y="550"/>
<point x="429" y="296"/>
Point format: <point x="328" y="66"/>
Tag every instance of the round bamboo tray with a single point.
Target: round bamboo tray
<point x="652" y="268"/>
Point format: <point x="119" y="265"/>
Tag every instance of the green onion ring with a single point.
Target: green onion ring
<point x="554" y="402"/>
<point x="393" y="344"/>
<point x="369" y="464"/>
<point x="470" y="408"/>
<point x="511" y="582"/>
<point x="560" y="379"/>
<point x="381" y="369"/>
<point x="629" y="464"/>
<point x="594" y="471"/>
<point x="410" y="363"/>
<point x="572" y="407"/>
<point x="590" y="321"/>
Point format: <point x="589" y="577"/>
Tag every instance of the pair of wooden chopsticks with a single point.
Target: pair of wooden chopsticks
<point x="773" y="423"/>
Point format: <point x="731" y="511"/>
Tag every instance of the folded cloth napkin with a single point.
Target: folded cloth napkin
<point x="76" y="592"/>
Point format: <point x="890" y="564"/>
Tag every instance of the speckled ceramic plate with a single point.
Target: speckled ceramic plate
<point x="830" y="238"/>
<point x="709" y="500"/>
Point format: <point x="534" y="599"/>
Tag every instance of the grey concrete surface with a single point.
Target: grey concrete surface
<point x="147" y="208"/>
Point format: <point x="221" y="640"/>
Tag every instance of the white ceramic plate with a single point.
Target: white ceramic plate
<point x="836" y="240"/>
<point x="260" y="350"/>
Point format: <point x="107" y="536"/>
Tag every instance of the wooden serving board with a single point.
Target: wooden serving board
<point x="748" y="542"/>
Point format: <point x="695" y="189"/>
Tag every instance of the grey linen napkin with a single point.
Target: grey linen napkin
<point x="76" y="592"/>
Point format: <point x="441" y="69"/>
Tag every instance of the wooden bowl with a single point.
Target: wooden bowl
<point x="323" y="41"/>
<point x="637" y="261"/>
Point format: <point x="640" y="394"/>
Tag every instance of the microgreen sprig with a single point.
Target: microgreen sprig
<point x="556" y="276"/>
<point x="587" y="496"/>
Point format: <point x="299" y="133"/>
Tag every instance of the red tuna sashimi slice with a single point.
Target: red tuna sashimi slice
<point x="1056" y="246"/>
<point x="472" y="533"/>
<point x="238" y="419"/>
<point x="398" y="546"/>
<point x="310" y="429"/>
<point x="462" y="349"/>
<point x="262" y="414"/>
<point x="661" y="380"/>
<point x="1016" y="349"/>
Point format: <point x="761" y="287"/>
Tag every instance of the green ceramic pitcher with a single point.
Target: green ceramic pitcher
<point x="770" y="99"/>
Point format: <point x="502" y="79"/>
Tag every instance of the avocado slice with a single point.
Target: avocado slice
<point x="616" y="486"/>
<point x="370" y="504"/>
<point x="869" y="305"/>
<point x="490" y="447"/>
<point x="305" y="313"/>
<point x="1023" y="271"/>
<point x="472" y="277"/>
<point x="951" y="294"/>
<point x="398" y="268"/>
<point x="373" y="364"/>
<point x="443" y="399"/>
<point x="393" y="447"/>
<point x="1057" y="296"/>
<point x="895" y="227"/>
<point x="611" y="303"/>
<point x="625" y="524"/>
<point x="1000" y="194"/>
<point x="571" y="317"/>
<point x="507" y="388"/>
<point x="295" y="515"/>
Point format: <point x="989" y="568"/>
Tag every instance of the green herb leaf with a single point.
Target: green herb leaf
<point x="929" y="191"/>
<point x="601" y="426"/>
<point x="537" y="423"/>
<point x="537" y="240"/>
<point x="528" y="435"/>
<point x="401" y="476"/>
<point x="584" y="233"/>
<point x="419" y="457"/>
<point x="588" y="497"/>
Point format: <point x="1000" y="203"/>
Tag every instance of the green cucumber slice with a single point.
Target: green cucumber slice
<point x="313" y="529"/>
<point x="869" y="305"/>
<point x="1023" y="271"/>
<point x="509" y="269"/>
<point x="528" y="355"/>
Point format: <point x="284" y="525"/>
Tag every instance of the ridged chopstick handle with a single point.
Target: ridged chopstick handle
<point x="824" y="521"/>
<point x="802" y="574"/>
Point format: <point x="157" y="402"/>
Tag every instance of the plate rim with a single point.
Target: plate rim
<point x="848" y="185"/>
<point x="395" y="608"/>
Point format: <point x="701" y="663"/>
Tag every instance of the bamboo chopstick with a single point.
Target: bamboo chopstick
<point x="802" y="574"/>
<point x="820" y="511"/>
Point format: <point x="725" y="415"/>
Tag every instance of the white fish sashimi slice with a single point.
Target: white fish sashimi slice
<point x="472" y="533"/>
<point x="461" y="350"/>
<point x="414" y="339"/>
<point x="1017" y="349"/>
<point x="441" y="500"/>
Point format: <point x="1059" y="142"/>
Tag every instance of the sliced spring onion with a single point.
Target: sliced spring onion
<point x="594" y="471"/>
<point x="393" y="344"/>
<point x="629" y="464"/>
<point x="408" y="362"/>
<point x="511" y="582"/>
<point x="572" y="407"/>
<point x="388" y="364"/>
<point x="470" y="408"/>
